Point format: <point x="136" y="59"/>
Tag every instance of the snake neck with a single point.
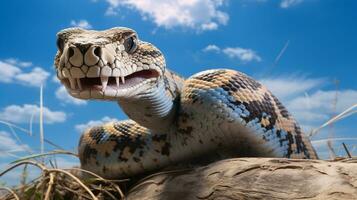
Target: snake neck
<point x="156" y="109"/>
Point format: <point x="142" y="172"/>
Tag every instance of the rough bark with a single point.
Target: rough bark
<point x="254" y="178"/>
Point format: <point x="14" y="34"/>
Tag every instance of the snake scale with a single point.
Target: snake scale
<point x="172" y="120"/>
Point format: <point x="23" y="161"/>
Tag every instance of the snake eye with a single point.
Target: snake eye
<point x="60" y="44"/>
<point x="130" y="45"/>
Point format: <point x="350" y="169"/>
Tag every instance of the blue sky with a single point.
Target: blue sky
<point x="298" y="48"/>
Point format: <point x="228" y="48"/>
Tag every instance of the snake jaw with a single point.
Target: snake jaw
<point x="110" y="87"/>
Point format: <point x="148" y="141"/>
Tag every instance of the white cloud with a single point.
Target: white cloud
<point x="196" y="14"/>
<point x="245" y="55"/>
<point x="8" y="144"/>
<point x="209" y="26"/>
<point x="8" y="72"/>
<point x="63" y="95"/>
<point x="242" y="54"/>
<point x="324" y="99"/>
<point x="36" y="77"/>
<point x="318" y="107"/>
<point x="11" y="72"/>
<point x="82" y="127"/>
<point x="285" y="87"/>
<point x="111" y="11"/>
<point x="22" y="114"/>
<point x="289" y="3"/>
<point x="15" y="61"/>
<point x="212" y="47"/>
<point x="81" y="23"/>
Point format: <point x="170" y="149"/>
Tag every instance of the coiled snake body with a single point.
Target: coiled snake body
<point x="172" y="120"/>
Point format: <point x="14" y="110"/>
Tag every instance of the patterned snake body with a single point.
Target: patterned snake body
<point x="219" y="113"/>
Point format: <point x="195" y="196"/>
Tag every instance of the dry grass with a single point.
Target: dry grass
<point x="55" y="183"/>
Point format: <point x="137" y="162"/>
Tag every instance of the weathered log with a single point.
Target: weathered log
<point x="254" y="178"/>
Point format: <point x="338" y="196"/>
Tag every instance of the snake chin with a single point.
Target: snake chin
<point x="110" y="88"/>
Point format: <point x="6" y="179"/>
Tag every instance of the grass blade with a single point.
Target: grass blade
<point x="44" y="154"/>
<point x="41" y="120"/>
<point x="349" y="111"/>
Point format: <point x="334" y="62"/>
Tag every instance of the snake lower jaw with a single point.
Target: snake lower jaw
<point x="110" y="88"/>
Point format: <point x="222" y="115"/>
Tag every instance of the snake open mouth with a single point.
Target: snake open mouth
<point x="104" y="83"/>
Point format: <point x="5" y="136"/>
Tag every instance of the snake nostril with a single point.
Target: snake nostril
<point x="70" y="52"/>
<point x="98" y="51"/>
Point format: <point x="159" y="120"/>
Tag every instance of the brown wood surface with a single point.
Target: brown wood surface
<point x="254" y="178"/>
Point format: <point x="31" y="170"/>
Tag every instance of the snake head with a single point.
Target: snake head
<point x="109" y="64"/>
